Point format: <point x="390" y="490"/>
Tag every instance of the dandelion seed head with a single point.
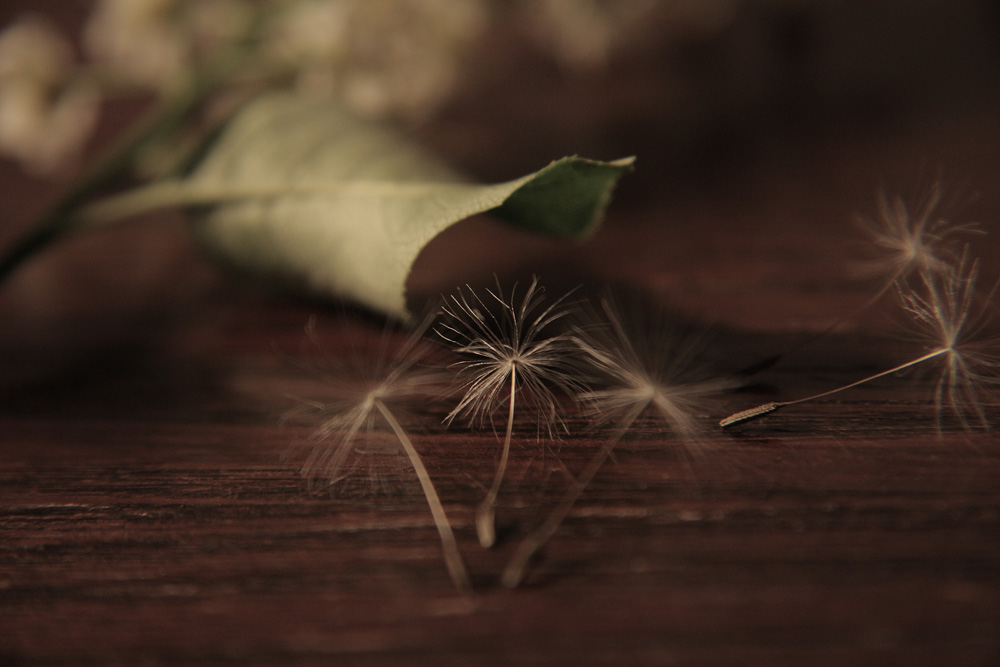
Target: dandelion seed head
<point x="646" y="371"/>
<point x="360" y="424"/>
<point x="953" y="320"/>
<point x="352" y="432"/>
<point x="910" y="240"/>
<point x="505" y="338"/>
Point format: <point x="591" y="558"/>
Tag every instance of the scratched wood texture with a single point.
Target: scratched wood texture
<point x="151" y="509"/>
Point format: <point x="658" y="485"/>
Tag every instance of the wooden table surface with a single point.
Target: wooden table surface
<point x="152" y="512"/>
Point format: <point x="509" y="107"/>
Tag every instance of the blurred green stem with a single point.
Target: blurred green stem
<point x="166" y="116"/>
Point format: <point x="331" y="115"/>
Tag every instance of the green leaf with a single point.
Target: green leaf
<point x="297" y="191"/>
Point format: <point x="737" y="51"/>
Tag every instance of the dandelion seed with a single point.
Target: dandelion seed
<point x="642" y="374"/>
<point x="512" y="358"/>
<point x="948" y="317"/>
<point x="920" y="241"/>
<point x="361" y="406"/>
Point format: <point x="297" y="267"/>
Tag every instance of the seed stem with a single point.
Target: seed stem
<point x="513" y="573"/>
<point x="452" y="557"/>
<point x="765" y="408"/>
<point x="486" y="515"/>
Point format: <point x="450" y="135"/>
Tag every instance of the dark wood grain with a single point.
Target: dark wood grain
<point x="152" y="512"/>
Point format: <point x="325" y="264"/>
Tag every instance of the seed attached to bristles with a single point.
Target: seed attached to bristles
<point x="361" y="398"/>
<point x="903" y="240"/>
<point x="512" y="358"/>
<point x="947" y="315"/>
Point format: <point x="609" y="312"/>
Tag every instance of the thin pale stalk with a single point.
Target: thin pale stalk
<point x="486" y="515"/>
<point x="765" y="408"/>
<point x="452" y="557"/>
<point x="513" y="573"/>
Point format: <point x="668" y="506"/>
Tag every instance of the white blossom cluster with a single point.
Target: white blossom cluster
<point x="382" y="58"/>
<point x="45" y="112"/>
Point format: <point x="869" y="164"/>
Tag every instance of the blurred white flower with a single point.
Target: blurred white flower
<point x="586" y="34"/>
<point x="386" y="58"/>
<point x="214" y="23"/>
<point x="583" y="33"/>
<point x="45" y="115"/>
<point x="137" y="41"/>
<point x="310" y="32"/>
<point x="383" y="57"/>
<point x="32" y="49"/>
<point x="149" y="44"/>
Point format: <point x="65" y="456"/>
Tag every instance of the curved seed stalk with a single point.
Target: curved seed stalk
<point x="644" y="372"/>
<point x="486" y="514"/>
<point x="362" y="390"/>
<point x="452" y="557"/>
<point x="517" y="566"/>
